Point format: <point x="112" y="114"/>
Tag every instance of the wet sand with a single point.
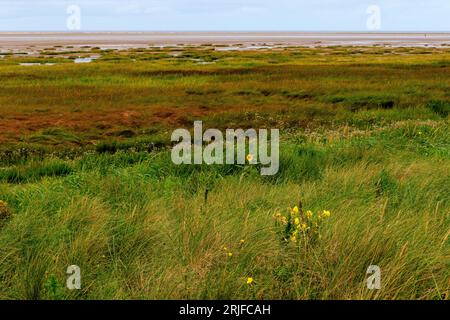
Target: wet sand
<point x="22" y="40"/>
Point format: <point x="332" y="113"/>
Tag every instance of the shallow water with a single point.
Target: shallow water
<point x="86" y="59"/>
<point x="83" y="60"/>
<point x="125" y="40"/>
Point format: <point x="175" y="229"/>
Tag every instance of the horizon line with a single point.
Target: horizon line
<point x="225" y="31"/>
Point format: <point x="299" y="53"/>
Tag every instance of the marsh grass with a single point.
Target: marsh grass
<point x="140" y="227"/>
<point x="365" y="136"/>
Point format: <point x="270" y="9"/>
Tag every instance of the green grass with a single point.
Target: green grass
<point x="356" y="139"/>
<point x="139" y="227"/>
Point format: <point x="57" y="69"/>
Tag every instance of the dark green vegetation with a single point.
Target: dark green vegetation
<point x="86" y="177"/>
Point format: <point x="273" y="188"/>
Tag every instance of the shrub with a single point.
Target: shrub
<point x="442" y="108"/>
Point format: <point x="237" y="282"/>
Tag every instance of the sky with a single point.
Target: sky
<point x="225" y="15"/>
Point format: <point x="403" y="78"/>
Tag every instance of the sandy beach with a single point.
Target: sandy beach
<point x="21" y="40"/>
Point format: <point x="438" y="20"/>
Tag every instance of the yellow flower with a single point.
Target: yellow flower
<point x="249" y="280"/>
<point x="297" y="221"/>
<point x="242" y="241"/>
<point x="303" y="227"/>
<point x="309" y="214"/>
<point x="326" y="214"/>
<point x="295" y="210"/>
<point x="230" y="254"/>
<point x="225" y="249"/>
<point x="250" y="157"/>
<point x="294" y="239"/>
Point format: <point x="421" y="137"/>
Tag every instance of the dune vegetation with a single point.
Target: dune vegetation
<point x="86" y="176"/>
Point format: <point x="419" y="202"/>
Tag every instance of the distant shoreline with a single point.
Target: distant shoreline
<point x="18" y="40"/>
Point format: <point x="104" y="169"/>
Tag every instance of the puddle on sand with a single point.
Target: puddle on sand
<point x="86" y="60"/>
<point x="83" y="60"/>
<point x="248" y="47"/>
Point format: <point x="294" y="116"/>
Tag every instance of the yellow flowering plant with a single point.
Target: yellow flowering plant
<point x="300" y="225"/>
